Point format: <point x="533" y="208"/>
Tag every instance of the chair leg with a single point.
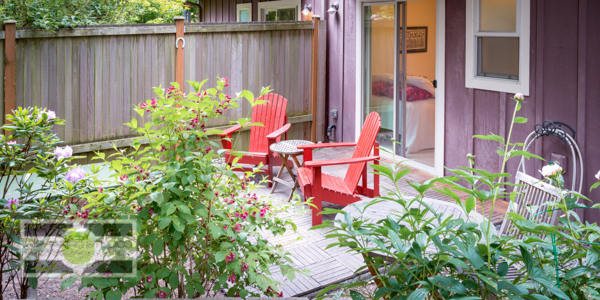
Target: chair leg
<point x="317" y="190"/>
<point x="317" y="219"/>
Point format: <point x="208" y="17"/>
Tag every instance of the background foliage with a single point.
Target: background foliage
<point x="54" y="14"/>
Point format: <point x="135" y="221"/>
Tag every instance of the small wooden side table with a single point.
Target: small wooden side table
<point x="286" y="149"/>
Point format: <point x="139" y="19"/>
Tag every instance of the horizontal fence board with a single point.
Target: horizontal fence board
<point x="93" y="80"/>
<point x="146" y="29"/>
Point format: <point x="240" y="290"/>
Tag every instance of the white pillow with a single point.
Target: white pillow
<point x="421" y="82"/>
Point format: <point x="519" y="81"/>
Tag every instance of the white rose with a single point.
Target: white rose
<point x="551" y="170"/>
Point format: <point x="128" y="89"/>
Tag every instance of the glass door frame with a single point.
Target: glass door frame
<point x="399" y="70"/>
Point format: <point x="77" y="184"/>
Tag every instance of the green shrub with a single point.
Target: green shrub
<point x="201" y="227"/>
<point x="434" y="258"/>
<point x="38" y="183"/>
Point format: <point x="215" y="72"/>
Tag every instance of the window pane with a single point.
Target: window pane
<point x="498" y="15"/>
<point x="270" y="15"/>
<point x="244" y="15"/>
<point x="286" y="14"/>
<point x="498" y="57"/>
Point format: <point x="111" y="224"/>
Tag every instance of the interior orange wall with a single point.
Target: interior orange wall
<point x="419" y="13"/>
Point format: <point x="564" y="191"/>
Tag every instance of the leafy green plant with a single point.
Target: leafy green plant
<point x="416" y="254"/>
<point x="200" y="226"/>
<point x="37" y="183"/>
<point x="567" y="251"/>
<point x="55" y="14"/>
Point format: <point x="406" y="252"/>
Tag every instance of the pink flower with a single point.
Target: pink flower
<point x="518" y="97"/>
<point x="244" y="216"/>
<point x="598" y="176"/>
<point x="244" y="267"/>
<point x="143" y="105"/>
<point x="161" y="294"/>
<point x="50" y="114"/>
<point x="75" y="174"/>
<point x="153" y="102"/>
<point x="225" y="79"/>
<point x="12" y="142"/>
<point x="237" y="228"/>
<point x="230" y="257"/>
<point x="123" y="177"/>
<point x="62" y="153"/>
<point x="100" y="190"/>
<point x="148" y="278"/>
<point x="263" y="211"/>
<point x="224" y="227"/>
<point x="10" y="202"/>
<point x="231" y="278"/>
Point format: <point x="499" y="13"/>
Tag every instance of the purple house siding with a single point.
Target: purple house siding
<point x="564" y="72"/>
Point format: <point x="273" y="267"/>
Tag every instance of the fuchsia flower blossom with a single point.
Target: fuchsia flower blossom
<point x="237" y="228"/>
<point x="123" y="177"/>
<point x="245" y="267"/>
<point x="263" y="212"/>
<point x="75" y="174"/>
<point x="244" y="216"/>
<point x="154" y="103"/>
<point x="231" y="278"/>
<point x="230" y="257"/>
<point x="161" y="294"/>
<point x="148" y="278"/>
<point x="62" y="153"/>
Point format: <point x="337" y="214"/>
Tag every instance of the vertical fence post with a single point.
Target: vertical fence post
<point x="314" y="78"/>
<point x="10" y="68"/>
<point x="179" y="44"/>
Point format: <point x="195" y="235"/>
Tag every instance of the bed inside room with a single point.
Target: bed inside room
<point x="380" y="84"/>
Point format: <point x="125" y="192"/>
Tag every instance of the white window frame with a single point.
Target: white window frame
<point x="522" y="32"/>
<point x="280" y="4"/>
<point x="240" y="7"/>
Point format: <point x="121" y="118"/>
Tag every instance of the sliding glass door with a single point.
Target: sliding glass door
<point x="384" y="69"/>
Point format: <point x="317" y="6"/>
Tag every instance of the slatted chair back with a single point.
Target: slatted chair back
<point x="365" y="143"/>
<point x="533" y="192"/>
<point x="272" y="115"/>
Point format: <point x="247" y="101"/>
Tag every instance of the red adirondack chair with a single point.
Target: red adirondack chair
<point x="342" y="191"/>
<point x="274" y="118"/>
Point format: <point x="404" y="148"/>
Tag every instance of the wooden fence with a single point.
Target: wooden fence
<point x="93" y="76"/>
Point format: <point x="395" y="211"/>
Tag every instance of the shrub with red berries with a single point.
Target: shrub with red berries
<point x="199" y="219"/>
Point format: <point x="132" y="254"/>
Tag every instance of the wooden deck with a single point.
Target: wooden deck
<point x="308" y="247"/>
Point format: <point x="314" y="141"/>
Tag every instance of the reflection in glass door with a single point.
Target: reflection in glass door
<point x="383" y="70"/>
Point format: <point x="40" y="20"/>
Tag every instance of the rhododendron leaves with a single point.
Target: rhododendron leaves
<point x="158" y="247"/>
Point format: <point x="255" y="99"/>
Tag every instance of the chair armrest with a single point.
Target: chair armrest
<point x="325" y="145"/>
<point x="277" y="133"/>
<point x="343" y="161"/>
<point x="230" y="130"/>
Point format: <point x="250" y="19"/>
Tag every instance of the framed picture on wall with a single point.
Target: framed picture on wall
<point x="416" y="39"/>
